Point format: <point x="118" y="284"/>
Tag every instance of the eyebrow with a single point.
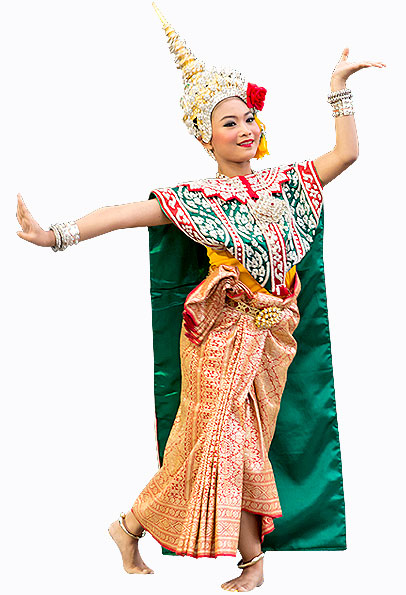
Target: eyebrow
<point x="224" y="117"/>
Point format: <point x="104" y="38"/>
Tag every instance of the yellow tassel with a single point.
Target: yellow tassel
<point x="262" y="147"/>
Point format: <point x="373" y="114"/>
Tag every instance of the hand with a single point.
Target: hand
<point x="344" y="69"/>
<point x="32" y="232"/>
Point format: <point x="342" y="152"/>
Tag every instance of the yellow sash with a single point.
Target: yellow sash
<point x="224" y="257"/>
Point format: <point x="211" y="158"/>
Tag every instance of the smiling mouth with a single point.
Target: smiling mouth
<point x="246" y="143"/>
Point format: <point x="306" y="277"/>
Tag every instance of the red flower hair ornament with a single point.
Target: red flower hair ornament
<point x="255" y="96"/>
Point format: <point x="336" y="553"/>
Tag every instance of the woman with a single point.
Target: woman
<point x="215" y="490"/>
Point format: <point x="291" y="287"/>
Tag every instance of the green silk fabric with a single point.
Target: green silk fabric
<point x="305" y="451"/>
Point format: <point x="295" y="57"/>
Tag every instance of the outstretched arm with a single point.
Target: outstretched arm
<point x="135" y="214"/>
<point x="345" y="152"/>
<point x="144" y="213"/>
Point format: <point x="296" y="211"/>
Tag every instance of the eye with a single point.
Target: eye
<point x="231" y="123"/>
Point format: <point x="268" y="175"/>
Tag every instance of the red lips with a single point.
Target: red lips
<point x="246" y="143"/>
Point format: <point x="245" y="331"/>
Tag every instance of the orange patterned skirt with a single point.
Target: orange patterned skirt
<point x="216" y="460"/>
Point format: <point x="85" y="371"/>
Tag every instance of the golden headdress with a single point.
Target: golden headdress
<point x="204" y="89"/>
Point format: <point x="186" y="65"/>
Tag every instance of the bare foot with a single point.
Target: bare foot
<point x="128" y="546"/>
<point x="251" y="577"/>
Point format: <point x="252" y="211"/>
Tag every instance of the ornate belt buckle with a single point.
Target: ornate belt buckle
<point x="266" y="317"/>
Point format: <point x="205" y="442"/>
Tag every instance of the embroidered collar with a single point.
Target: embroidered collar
<point x="241" y="187"/>
<point x="224" y="177"/>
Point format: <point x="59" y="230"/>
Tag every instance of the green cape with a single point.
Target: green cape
<point x="305" y="451"/>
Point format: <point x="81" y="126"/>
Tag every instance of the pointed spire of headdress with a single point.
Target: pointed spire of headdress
<point x="184" y="58"/>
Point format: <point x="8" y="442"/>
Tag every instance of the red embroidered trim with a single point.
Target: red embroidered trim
<point x="248" y="186"/>
<point x="280" y="267"/>
<point x="242" y="187"/>
<point x="316" y="174"/>
<point x="238" y="245"/>
<point x="312" y="186"/>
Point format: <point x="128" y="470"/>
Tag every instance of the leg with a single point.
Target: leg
<point x="128" y="546"/>
<point x="249" y="545"/>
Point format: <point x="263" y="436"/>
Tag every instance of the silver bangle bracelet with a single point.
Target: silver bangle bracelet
<point x="340" y="94"/>
<point x="66" y="234"/>
<point x="341" y="102"/>
<point x="58" y="239"/>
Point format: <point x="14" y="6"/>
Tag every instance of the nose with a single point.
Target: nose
<point x="244" y="129"/>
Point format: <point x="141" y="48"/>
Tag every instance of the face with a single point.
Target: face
<point x="235" y="135"/>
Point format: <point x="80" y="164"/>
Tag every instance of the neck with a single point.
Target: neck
<point x="231" y="168"/>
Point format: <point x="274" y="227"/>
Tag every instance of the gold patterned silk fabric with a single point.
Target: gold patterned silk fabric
<point x="218" y="257"/>
<point x="216" y="460"/>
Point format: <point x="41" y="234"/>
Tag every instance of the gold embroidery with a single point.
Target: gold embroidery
<point x="216" y="457"/>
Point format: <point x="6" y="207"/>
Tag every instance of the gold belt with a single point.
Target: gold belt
<point x="263" y="317"/>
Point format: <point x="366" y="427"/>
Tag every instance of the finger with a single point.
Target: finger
<point x="23" y="209"/>
<point x="20" y="203"/>
<point x="344" y="55"/>
<point x="23" y="217"/>
<point x="20" y="211"/>
<point x="368" y="64"/>
<point x="20" y="198"/>
<point x="19" y="215"/>
<point x="361" y="65"/>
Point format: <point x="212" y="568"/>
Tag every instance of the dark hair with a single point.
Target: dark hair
<point x="196" y="126"/>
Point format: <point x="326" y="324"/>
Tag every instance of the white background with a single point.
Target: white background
<point x="90" y="117"/>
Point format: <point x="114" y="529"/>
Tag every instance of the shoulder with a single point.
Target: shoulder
<point x="273" y="179"/>
<point x="299" y="167"/>
<point x="300" y="175"/>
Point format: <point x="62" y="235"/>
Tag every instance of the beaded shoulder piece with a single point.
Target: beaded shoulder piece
<point x="267" y="220"/>
<point x="241" y="188"/>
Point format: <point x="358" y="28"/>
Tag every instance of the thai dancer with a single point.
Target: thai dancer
<point x="230" y="260"/>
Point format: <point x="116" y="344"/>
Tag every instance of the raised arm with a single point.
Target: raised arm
<point x="135" y="214"/>
<point x="345" y="152"/>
